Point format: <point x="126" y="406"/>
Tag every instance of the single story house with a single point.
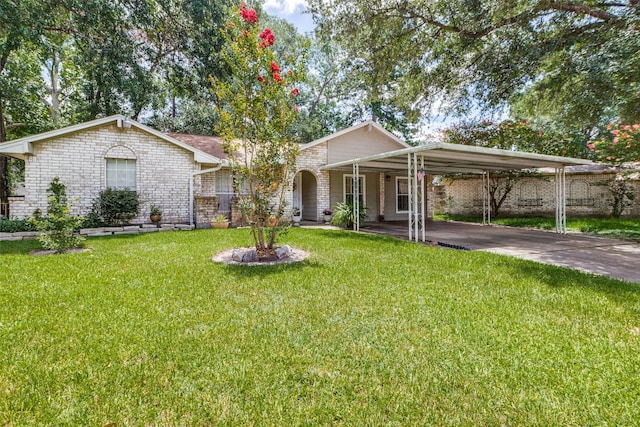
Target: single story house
<point x="187" y="176"/>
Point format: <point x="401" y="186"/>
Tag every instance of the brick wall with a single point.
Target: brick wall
<point x="163" y="171"/>
<point x="534" y="197"/>
<point x="311" y="160"/>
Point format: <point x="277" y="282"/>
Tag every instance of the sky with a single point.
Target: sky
<point x="292" y="11"/>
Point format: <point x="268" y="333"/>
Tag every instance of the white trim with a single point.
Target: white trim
<point x="370" y="125"/>
<point x="398" y="194"/>
<point x="363" y="190"/>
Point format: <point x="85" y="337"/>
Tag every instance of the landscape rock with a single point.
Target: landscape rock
<point x="283" y="252"/>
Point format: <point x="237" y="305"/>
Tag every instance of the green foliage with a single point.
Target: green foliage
<point x="344" y="215"/>
<point x="506" y="135"/>
<point x="575" y="61"/>
<point x="514" y="135"/>
<point x="622" y="190"/>
<point x="117" y="207"/>
<point x="16" y="225"/>
<point x="58" y="229"/>
<point x="257" y="108"/>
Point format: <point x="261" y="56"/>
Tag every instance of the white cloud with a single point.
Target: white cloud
<point x="284" y="7"/>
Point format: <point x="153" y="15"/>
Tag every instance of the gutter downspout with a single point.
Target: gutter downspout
<point x="193" y="175"/>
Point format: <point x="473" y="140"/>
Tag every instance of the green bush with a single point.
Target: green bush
<point x="344" y="215"/>
<point x="117" y="207"/>
<point x="16" y="225"/>
<point x="58" y="229"/>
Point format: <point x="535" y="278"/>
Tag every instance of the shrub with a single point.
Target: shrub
<point x="344" y="215"/>
<point x="58" y="229"/>
<point x="16" y="225"/>
<point x="117" y="207"/>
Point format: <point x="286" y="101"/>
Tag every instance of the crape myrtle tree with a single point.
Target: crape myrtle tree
<point x="257" y="109"/>
<point x="619" y="144"/>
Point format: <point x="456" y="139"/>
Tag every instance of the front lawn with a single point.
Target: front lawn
<point x="370" y="330"/>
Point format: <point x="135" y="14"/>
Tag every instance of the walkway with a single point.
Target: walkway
<point x="615" y="258"/>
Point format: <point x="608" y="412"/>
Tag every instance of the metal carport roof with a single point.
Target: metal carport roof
<point x="440" y="158"/>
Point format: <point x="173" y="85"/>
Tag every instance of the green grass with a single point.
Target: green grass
<point x="370" y="330"/>
<point x="627" y="228"/>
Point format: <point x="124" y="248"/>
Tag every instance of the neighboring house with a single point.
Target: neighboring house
<point x="187" y="176"/>
<point x="533" y="196"/>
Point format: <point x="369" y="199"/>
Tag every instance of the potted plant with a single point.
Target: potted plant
<point x="345" y="215"/>
<point x="296" y="216"/>
<point x="220" y="221"/>
<point x="156" y="214"/>
<point x="272" y="221"/>
<point x="327" y="215"/>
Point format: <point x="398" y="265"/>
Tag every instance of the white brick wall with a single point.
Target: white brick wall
<point x="584" y="198"/>
<point x="163" y="171"/>
<point x="311" y="160"/>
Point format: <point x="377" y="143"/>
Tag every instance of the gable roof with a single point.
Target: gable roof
<point x="371" y="126"/>
<point x="23" y="147"/>
<point x="209" y="144"/>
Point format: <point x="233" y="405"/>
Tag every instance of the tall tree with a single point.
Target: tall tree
<point x="461" y="53"/>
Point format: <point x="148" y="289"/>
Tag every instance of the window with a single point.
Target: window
<point x="348" y="189"/>
<point x="121" y="174"/>
<point x="402" y="194"/>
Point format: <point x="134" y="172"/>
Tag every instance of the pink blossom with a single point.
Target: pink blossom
<point x="267" y="38"/>
<point x="249" y="15"/>
<point x="625" y="127"/>
<point x="611" y="147"/>
<point x="295" y="108"/>
<point x="591" y="146"/>
<point x="614" y="132"/>
<point x="636" y="126"/>
<point x="615" y="140"/>
<point x="295" y="91"/>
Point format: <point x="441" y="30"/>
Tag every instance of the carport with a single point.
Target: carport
<point x="439" y="158"/>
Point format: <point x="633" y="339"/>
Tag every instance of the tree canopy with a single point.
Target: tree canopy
<point x="565" y="61"/>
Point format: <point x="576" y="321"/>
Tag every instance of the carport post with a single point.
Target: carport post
<point x="561" y="201"/>
<point x="422" y="199"/>
<point x="356" y="196"/>
<point x="486" y="198"/>
<point x="410" y="191"/>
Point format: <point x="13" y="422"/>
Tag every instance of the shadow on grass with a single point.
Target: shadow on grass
<point x="563" y="277"/>
<point x="364" y="237"/>
<point x="245" y="271"/>
<point x="18" y="247"/>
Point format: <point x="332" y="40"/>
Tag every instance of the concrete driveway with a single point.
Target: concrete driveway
<point x="609" y="257"/>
